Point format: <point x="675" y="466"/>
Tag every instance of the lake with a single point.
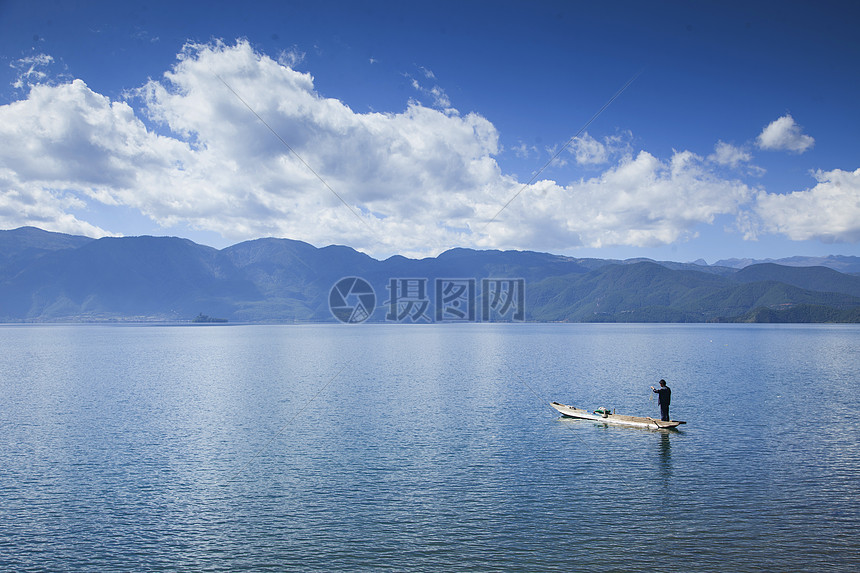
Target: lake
<point x="427" y="448"/>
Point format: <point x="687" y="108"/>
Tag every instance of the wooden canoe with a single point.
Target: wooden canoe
<point x="620" y="419"/>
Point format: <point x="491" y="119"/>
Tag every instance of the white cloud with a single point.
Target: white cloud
<point x="588" y="151"/>
<point x="829" y="212"/>
<point x="29" y="203"/>
<point x="435" y="92"/>
<point x="417" y="181"/>
<point x="591" y="152"/>
<point x="417" y="172"/>
<point x="641" y="201"/>
<point x="524" y="151"/>
<point x="784" y="134"/>
<point x="292" y="57"/>
<point x="647" y="202"/>
<point x="31" y="70"/>
<point x="729" y="155"/>
<point x="65" y="144"/>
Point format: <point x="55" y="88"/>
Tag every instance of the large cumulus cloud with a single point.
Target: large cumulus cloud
<point x="829" y="211"/>
<point x="232" y="141"/>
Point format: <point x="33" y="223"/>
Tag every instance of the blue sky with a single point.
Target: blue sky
<point x="406" y="127"/>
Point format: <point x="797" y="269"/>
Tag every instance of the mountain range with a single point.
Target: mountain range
<point x="49" y="277"/>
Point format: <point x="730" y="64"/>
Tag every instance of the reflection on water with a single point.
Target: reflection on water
<point x="666" y="454"/>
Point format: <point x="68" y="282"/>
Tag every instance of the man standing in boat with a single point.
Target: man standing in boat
<point x="664" y="396"/>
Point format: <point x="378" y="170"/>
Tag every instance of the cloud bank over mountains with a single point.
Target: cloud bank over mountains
<point x="233" y="141"/>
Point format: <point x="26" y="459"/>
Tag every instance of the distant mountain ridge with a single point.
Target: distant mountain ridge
<point x="841" y="263"/>
<point x="48" y="276"/>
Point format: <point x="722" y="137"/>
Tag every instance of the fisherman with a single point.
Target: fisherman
<point x="664" y="396"/>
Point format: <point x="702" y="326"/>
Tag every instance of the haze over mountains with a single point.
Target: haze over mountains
<point x="48" y="276"/>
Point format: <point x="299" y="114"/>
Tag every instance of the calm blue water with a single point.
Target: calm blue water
<point x="427" y="448"/>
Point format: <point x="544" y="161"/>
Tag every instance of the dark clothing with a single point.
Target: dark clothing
<point x="664" y="396"/>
